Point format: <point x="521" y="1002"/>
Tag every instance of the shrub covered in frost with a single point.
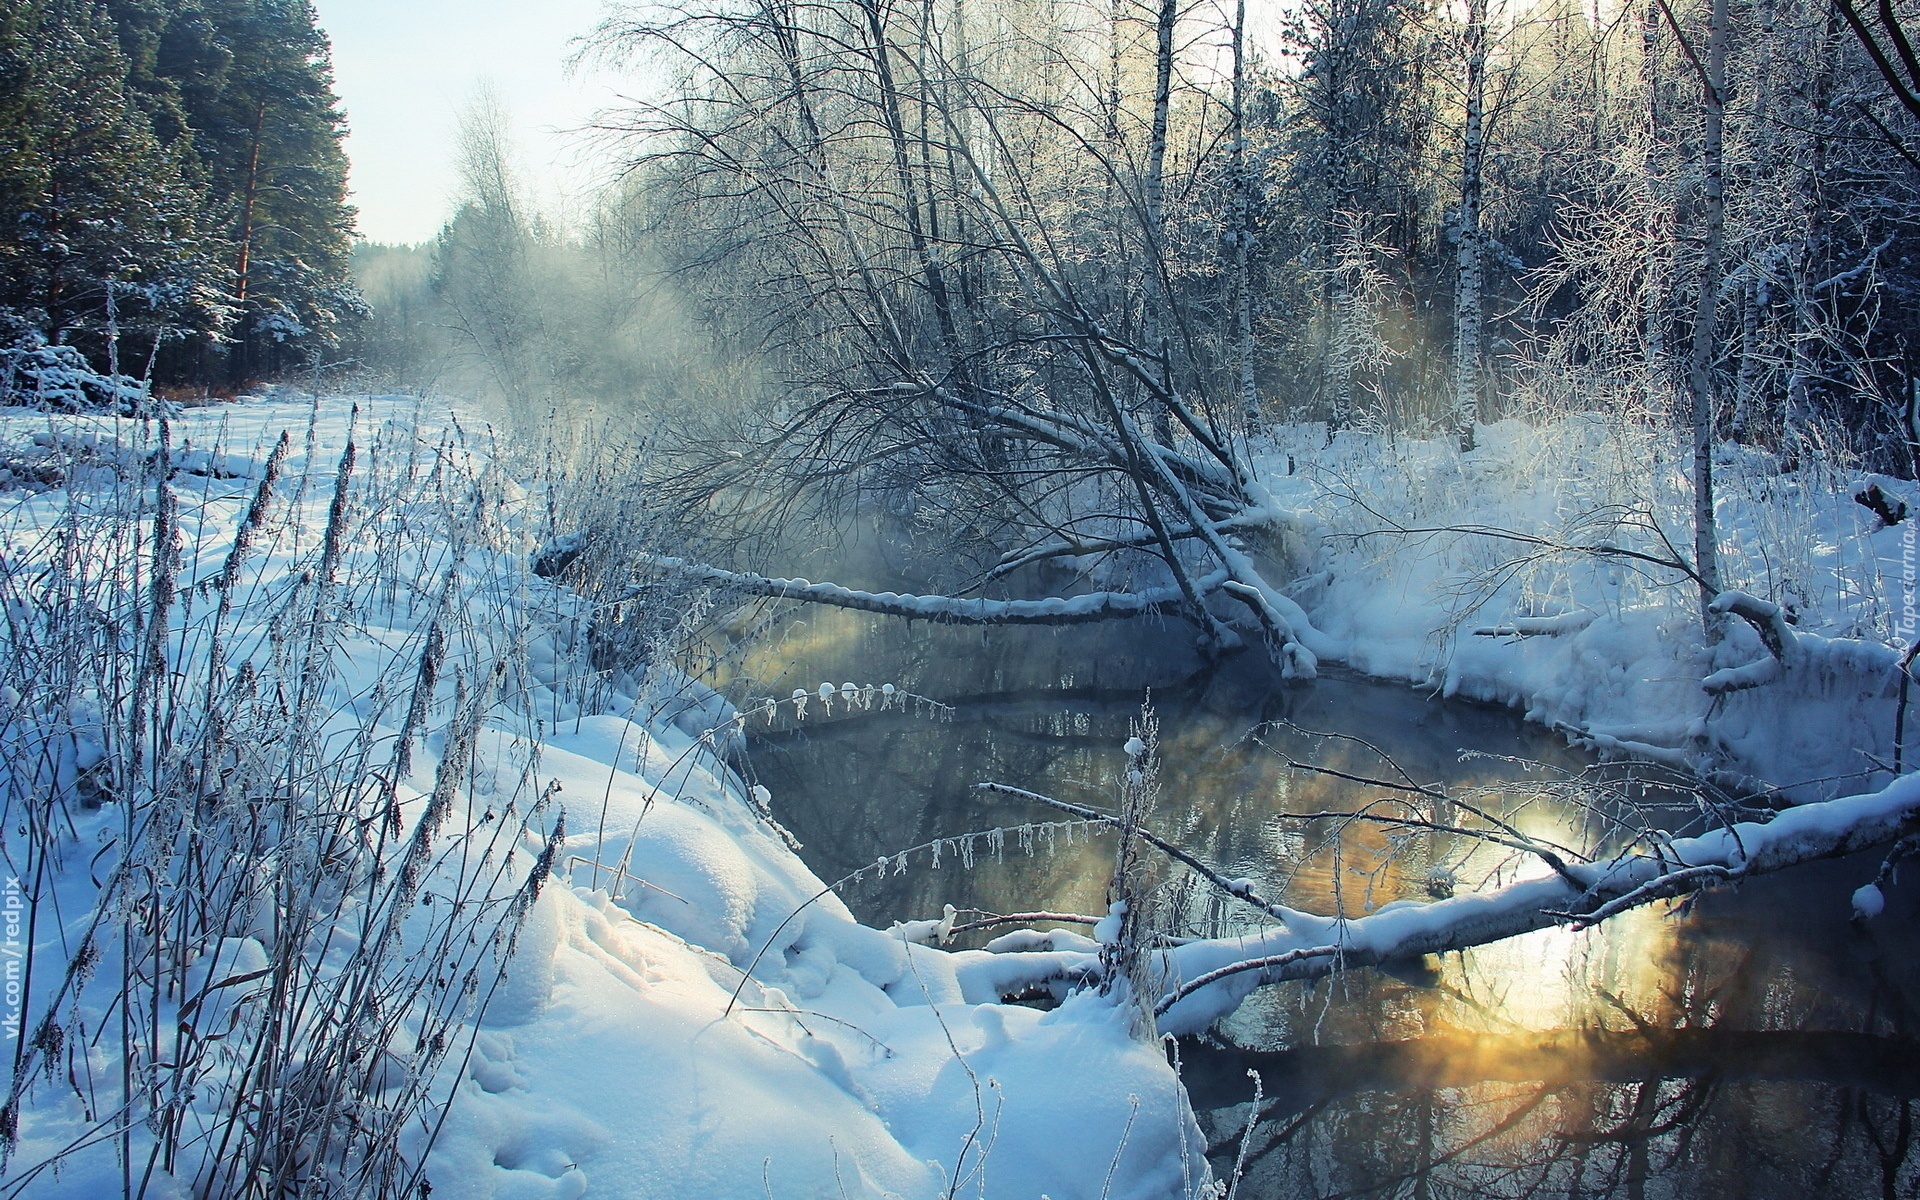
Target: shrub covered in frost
<point x="34" y="374"/>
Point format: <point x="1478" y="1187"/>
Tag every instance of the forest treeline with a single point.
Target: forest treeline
<point x="1358" y="211"/>
<point x="173" y="186"/>
<point x="1387" y="211"/>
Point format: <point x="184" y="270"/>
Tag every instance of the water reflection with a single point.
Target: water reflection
<point x="1757" y="1045"/>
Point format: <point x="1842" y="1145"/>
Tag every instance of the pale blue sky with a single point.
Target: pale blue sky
<point x="404" y="70"/>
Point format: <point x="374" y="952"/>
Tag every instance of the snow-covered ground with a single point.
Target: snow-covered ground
<point x="624" y="1053"/>
<point x="1498" y="575"/>
<point x="359" y="849"/>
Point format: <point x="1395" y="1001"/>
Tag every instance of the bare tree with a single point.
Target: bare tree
<point x="1700" y="358"/>
<point x="1069" y="411"/>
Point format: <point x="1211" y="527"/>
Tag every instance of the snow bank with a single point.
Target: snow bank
<point x="1520" y="574"/>
<point x="626" y="1051"/>
<point x="851" y="1057"/>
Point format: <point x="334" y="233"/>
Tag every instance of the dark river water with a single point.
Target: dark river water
<point x="1758" y="1044"/>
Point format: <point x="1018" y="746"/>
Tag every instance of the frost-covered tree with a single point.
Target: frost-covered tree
<point x="269" y="133"/>
<point x="183" y="160"/>
<point x="102" y="230"/>
<point x="974" y="262"/>
<point x="1355" y="176"/>
<point x="1469" y="289"/>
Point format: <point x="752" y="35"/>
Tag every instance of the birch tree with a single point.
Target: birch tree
<point x="1469" y="325"/>
<point x="1701" y="384"/>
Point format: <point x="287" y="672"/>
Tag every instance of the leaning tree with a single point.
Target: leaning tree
<point x="995" y="260"/>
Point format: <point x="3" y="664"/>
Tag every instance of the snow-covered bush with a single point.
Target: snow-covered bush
<point x="34" y="374"/>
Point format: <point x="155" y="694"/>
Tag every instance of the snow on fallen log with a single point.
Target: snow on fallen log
<point x="1757" y="673"/>
<point x="1555" y="626"/>
<point x="952" y="610"/>
<point x="1768" y="619"/>
<point x="1206" y="980"/>
<point x="1790" y="648"/>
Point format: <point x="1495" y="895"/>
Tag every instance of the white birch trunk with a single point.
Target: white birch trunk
<point x="1468" y="320"/>
<point x="1700" y="382"/>
<point x="1242" y="226"/>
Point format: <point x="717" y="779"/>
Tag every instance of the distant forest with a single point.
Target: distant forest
<point x="173" y="186"/>
<point x="1390" y="212"/>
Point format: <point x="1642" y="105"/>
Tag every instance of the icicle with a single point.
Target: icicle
<point x="997" y="842"/>
<point x="799" y="704"/>
<point x="966" y="853"/>
<point x="937" y="843"/>
<point x="900" y="863"/>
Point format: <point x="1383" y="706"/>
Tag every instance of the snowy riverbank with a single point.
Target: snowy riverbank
<point x="346" y="859"/>
<point x="1523" y="574"/>
<point x="320" y="616"/>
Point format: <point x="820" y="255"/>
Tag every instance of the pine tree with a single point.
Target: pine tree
<point x="1357" y="144"/>
<point x="268" y="131"/>
<point x="100" y="233"/>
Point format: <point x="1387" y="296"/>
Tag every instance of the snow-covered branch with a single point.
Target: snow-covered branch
<point x="1405" y="930"/>
<point x="1239" y="889"/>
<point x="1790" y="648"/>
<point x="953" y="610"/>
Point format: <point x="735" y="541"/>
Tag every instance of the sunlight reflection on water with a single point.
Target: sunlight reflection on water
<point x="1758" y="1046"/>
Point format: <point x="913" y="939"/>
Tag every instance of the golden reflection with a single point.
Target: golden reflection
<point x="1753" y="1045"/>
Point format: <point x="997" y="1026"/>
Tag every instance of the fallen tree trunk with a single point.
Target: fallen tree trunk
<point x="950" y="610"/>
<point x="1206" y="979"/>
<point x="1626" y="881"/>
